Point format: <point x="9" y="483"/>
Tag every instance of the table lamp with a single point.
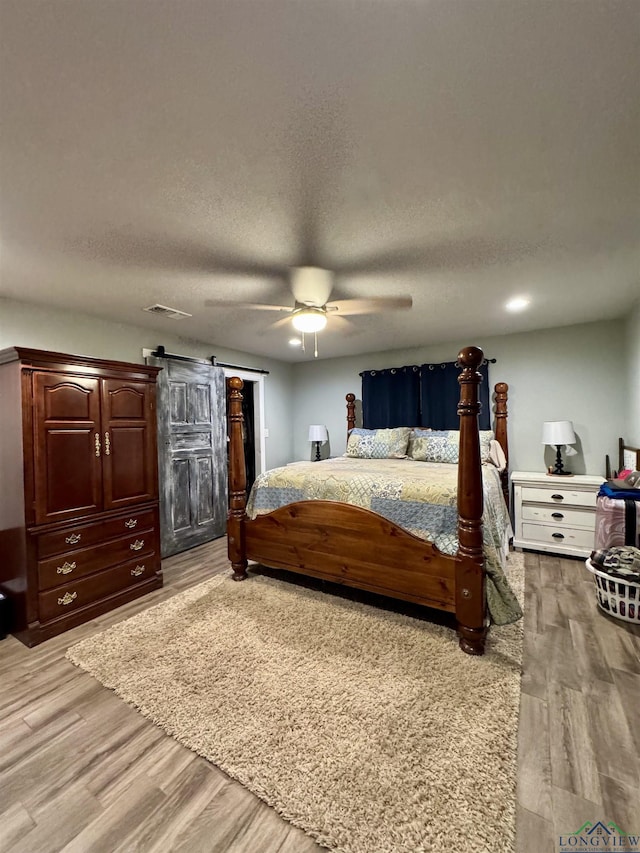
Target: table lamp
<point x="558" y="433"/>
<point x="318" y="434"/>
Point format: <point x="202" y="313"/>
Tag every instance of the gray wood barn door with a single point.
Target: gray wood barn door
<point x="192" y="453"/>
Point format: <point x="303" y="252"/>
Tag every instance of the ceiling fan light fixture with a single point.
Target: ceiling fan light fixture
<point x="309" y="320"/>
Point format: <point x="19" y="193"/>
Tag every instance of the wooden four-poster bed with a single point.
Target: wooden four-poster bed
<point x="351" y="545"/>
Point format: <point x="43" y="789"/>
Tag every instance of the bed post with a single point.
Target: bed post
<point x="502" y="395"/>
<point x="237" y="482"/>
<point x="351" y="412"/>
<point x="470" y="586"/>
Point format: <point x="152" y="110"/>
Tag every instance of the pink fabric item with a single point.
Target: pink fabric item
<point x="610" y="522"/>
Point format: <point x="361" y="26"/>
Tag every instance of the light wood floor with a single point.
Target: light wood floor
<point x="82" y="771"/>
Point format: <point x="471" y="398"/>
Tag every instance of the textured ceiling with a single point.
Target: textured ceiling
<point x="461" y="152"/>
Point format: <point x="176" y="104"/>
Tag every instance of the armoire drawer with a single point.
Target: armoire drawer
<point x="83" y="535"/>
<point x="71" y="596"/>
<point x="559" y="516"/>
<point x="561" y="536"/>
<point x="66" y="567"/>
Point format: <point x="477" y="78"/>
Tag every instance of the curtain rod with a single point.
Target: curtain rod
<point x="416" y="368"/>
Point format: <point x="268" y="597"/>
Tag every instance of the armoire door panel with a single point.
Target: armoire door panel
<point x="127" y="465"/>
<point x="66" y="401"/>
<point x="126" y="402"/>
<point x="67" y="447"/>
<point x="129" y="459"/>
<point x="70" y="483"/>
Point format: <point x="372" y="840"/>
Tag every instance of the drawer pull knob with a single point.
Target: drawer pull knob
<point x="73" y="539"/>
<point x="135" y="546"/>
<point x="66" y="568"/>
<point x="558" y="497"/>
<point x="137" y="571"/>
<point x="131" y="523"/>
<point x="558" y="535"/>
<point x="557" y="515"/>
<point x="67" y="598"/>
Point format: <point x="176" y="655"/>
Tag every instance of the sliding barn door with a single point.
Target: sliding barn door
<point x="192" y="454"/>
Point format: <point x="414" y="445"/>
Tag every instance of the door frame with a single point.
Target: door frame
<point x="258" y="401"/>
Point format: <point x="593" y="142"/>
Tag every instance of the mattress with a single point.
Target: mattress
<point x="420" y="497"/>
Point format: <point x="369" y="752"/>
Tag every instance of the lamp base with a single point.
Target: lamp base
<point x="559" y="471"/>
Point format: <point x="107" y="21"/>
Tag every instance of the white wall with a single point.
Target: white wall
<point x="632" y="431"/>
<point x="573" y="373"/>
<point x="24" y="324"/>
<point x="589" y="374"/>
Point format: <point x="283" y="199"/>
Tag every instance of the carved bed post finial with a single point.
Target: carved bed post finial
<point x="470" y="582"/>
<point x="351" y="412"/>
<point x="237" y="482"/>
<point x="502" y="395"/>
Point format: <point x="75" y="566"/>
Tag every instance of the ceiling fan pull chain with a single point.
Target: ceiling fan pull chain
<point x="315" y="344"/>
<point x="303" y="349"/>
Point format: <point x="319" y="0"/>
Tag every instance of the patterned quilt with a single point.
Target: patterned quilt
<point x="418" y="496"/>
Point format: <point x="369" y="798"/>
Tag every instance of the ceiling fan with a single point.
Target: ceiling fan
<point x="311" y="287"/>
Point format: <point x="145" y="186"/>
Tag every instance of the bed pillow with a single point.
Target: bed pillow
<point x="416" y="432"/>
<point x="378" y="443"/>
<point x="444" y="446"/>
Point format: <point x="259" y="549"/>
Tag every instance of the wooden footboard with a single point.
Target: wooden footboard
<point x="354" y="546"/>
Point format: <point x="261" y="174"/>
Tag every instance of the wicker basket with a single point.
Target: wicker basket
<point x="616" y="597"/>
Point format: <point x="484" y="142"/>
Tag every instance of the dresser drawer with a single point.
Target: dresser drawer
<point x="560" y="536"/>
<point x="71" y="596"/>
<point x="129" y="524"/>
<point x="82" y="535"/>
<point x="559" y="517"/>
<point x="84" y="561"/>
<point x="559" y="496"/>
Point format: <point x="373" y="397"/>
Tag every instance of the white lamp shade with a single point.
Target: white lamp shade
<point x="558" y="432"/>
<point x="318" y="432"/>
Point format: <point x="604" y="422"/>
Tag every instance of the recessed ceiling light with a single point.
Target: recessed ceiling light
<point x="519" y="303"/>
<point x="295" y="342"/>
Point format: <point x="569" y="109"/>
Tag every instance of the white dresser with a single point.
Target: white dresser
<point x="555" y="514"/>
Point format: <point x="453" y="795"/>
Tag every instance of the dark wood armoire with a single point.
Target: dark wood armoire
<point x="78" y="488"/>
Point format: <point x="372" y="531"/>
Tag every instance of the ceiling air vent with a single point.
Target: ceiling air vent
<point x="171" y="313"/>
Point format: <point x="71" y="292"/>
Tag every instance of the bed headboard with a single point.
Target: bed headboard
<point x="628" y="457"/>
<point x="501" y="390"/>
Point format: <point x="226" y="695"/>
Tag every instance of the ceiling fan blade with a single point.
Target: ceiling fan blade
<point x="338" y="322"/>
<point x="254" y="306"/>
<point x="281" y="322"/>
<point x="376" y="305"/>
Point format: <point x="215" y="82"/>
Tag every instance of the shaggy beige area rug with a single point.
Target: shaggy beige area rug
<point x="369" y="729"/>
